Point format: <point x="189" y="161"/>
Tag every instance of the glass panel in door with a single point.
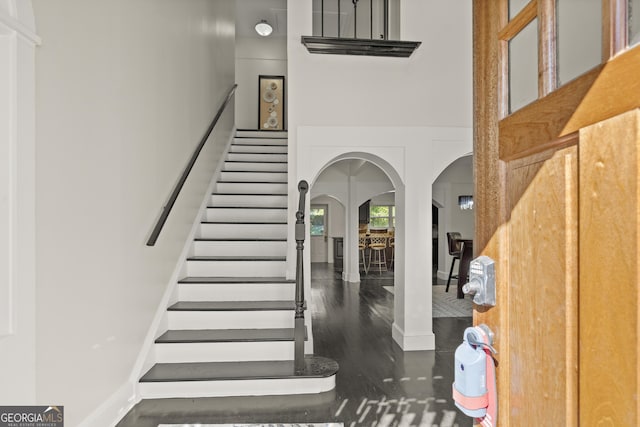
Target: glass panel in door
<point x="579" y="37"/>
<point x="634" y="22"/>
<point x="523" y="67"/>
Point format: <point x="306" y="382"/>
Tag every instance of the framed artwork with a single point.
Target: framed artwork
<point x="271" y="103"/>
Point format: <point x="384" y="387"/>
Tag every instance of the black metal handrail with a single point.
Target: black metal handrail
<point x="166" y="210"/>
<point x="299" y="329"/>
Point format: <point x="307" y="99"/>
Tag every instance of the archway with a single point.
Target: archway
<point x="454" y="184"/>
<point x="353" y="182"/>
<point x="411" y="158"/>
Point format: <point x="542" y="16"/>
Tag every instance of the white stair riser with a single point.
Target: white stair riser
<point x="254" y="166"/>
<point x="243" y="231"/>
<point x="251" y="215"/>
<point x="251" y="187"/>
<point x="254" y="176"/>
<point x="249" y="248"/>
<point x="241" y="200"/>
<point x="257" y="157"/>
<point x="225" y="351"/>
<point x="261" y="135"/>
<point x="236" y="291"/>
<point x="236" y="268"/>
<point x="231" y="319"/>
<point x="193" y="389"/>
<point x="258" y="148"/>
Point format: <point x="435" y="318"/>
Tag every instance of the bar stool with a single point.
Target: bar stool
<point x="453" y="238"/>
<point x="392" y="245"/>
<point x="378" y="246"/>
<point x="362" y="247"/>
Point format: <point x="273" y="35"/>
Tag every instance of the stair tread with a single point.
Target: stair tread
<point x="213" y="280"/>
<point x="252" y="182"/>
<point x="237" y="258"/>
<point x="250" y="170"/>
<point x="247" y="194"/>
<point x="246" y="207"/>
<point x="225" y="335"/>
<point x="315" y="367"/>
<point x="254" y="161"/>
<point x="255" y="152"/>
<point x="237" y="239"/>
<point x="232" y="305"/>
<point x="246" y="222"/>
<point x="258" y="136"/>
<point x="258" y="145"/>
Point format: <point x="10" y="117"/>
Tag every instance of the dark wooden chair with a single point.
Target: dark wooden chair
<point x="453" y="240"/>
<point x="466" y="256"/>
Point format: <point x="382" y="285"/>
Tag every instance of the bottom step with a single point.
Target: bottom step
<point x="215" y="379"/>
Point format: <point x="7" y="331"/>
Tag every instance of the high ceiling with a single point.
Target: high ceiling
<point x="250" y="12"/>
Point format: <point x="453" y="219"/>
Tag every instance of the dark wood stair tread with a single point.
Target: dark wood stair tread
<point x="238" y="239"/>
<point x="315" y="367"/>
<point x="243" y="280"/>
<point x="252" y="182"/>
<point x="261" y="153"/>
<point x="251" y="170"/>
<point x="247" y="194"/>
<point x="246" y="207"/>
<point x="245" y="222"/>
<point x="256" y="161"/>
<point x="232" y="306"/>
<point x="235" y="144"/>
<point x="225" y="335"/>
<point x="237" y="258"/>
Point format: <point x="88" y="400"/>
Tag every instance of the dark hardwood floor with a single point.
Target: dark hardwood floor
<point x="378" y="384"/>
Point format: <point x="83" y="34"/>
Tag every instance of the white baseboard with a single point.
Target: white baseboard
<point x="351" y="278"/>
<point x="114" y="408"/>
<point x="413" y="342"/>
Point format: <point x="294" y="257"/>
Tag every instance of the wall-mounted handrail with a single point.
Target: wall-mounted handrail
<point x="166" y="210"/>
<point x="299" y="331"/>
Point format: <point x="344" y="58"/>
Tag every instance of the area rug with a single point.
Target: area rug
<point x="446" y="304"/>
<point x="256" y="425"/>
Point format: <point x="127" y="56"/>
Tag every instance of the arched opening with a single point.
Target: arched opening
<point x="365" y="193"/>
<point x="451" y="192"/>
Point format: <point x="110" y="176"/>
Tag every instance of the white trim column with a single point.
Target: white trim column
<point x="351" y="266"/>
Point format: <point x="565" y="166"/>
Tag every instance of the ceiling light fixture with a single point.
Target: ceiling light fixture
<point x="264" y="28"/>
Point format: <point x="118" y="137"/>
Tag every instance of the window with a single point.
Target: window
<point x="317" y="219"/>
<point x="382" y="216"/>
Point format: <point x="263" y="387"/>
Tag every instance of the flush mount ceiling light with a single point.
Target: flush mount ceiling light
<point x="264" y="28"/>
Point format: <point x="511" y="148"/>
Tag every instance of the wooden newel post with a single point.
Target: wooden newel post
<point x="299" y="331"/>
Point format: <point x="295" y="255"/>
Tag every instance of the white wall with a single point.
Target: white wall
<point x="18" y="42"/>
<point x="254" y="57"/>
<point x="431" y="88"/>
<point x="125" y="91"/>
<point x="413" y="114"/>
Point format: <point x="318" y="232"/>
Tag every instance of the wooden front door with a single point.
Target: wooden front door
<point x="558" y="207"/>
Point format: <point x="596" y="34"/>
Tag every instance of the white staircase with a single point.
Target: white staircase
<point x="231" y="332"/>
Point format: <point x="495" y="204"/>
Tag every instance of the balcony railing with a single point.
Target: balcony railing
<point x="357" y="27"/>
<point x="358" y="19"/>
